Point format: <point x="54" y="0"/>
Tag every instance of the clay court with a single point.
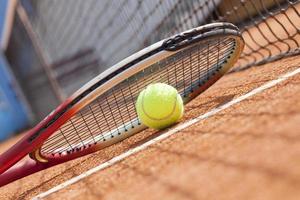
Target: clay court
<point x="240" y="139"/>
<point x="247" y="151"/>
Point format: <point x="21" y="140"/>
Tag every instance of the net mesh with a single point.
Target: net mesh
<point x="113" y="29"/>
<point x="113" y="113"/>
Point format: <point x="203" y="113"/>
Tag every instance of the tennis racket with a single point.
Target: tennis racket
<point x="102" y="112"/>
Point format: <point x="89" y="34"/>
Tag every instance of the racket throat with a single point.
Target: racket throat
<point x="37" y="156"/>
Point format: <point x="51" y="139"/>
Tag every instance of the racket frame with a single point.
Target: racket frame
<point x="33" y="140"/>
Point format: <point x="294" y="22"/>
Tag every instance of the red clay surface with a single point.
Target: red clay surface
<point x="248" y="151"/>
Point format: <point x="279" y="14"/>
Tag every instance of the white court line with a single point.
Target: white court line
<point x="167" y="134"/>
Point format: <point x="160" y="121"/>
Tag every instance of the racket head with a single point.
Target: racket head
<point x="102" y="112"/>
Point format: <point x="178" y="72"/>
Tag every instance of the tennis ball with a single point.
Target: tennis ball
<point x="159" y="106"/>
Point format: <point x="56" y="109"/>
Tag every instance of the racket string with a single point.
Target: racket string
<point x="127" y="109"/>
<point x="106" y="120"/>
<point x="95" y="119"/>
<point x="114" y="111"/>
<point x="88" y="127"/>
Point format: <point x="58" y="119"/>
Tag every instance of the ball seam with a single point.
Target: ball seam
<point x="159" y="119"/>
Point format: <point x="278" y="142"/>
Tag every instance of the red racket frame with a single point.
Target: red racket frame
<point x="34" y="138"/>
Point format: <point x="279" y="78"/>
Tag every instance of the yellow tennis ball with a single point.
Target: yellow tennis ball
<point x="159" y="106"/>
